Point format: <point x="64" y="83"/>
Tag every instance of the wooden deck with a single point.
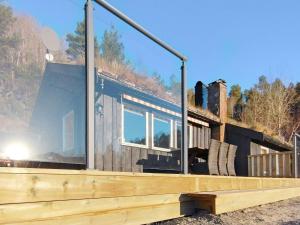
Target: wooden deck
<point x="218" y="202"/>
<point x="42" y="196"/>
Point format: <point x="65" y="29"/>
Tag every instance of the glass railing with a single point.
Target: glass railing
<point x="138" y="99"/>
<point x="42" y="82"/>
<point x="43" y="90"/>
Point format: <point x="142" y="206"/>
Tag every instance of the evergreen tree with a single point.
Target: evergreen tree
<point x="111" y="48"/>
<point x="76" y="43"/>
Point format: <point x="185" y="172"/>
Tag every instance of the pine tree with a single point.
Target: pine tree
<point x="76" y="43"/>
<point x="111" y="48"/>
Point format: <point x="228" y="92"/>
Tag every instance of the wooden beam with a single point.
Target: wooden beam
<point x="228" y="201"/>
<point x="13" y="213"/>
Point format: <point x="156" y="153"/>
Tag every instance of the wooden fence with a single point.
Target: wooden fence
<point x="271" y="165"/>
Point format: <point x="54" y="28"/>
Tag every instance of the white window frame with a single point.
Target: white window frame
<point x="124" y="107"/>
<point x="171" y="132"/>
<point x="63" y="131"/>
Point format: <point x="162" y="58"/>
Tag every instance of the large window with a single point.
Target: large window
<point x="134" y="127"/>
<point x="162" y="133"/>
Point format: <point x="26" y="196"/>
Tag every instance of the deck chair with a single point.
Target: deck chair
<point x="230" y="160"/>
<point x="213" y="157"/>
<point x="222" y="162"/>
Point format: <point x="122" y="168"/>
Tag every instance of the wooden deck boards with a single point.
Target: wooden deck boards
<point x="44" y="196"/>
<point x="227" y="201"/>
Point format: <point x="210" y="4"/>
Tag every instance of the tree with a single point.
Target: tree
<point x="76" y="43"/>
<point x="235" y="102"/>
<point x="235" y="91"/>
<point x="8" y="41"/>
<point x="111" y="48"/>
<point x="270" y="105"/>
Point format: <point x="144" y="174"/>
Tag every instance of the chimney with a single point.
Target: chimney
<point x="199" y="94"/>
<point x="217" y="104"/>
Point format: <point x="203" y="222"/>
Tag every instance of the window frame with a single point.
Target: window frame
<point x="160" y="117"/>
<point x="139" y="110"/>
<point x="64" y="149"/>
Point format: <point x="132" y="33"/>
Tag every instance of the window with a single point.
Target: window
<point x="68" y="131"/>
<point x="162" y="133"/>
<point x="134" y="127"/>
<point x="178" y="134"/>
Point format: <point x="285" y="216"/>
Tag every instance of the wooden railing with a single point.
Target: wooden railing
<point x="271" y="165"/>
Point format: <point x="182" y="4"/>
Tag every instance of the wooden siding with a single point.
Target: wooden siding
<point x="43" y="196"/>
<point x="199" y="136"/>
<point x="110" y="153"/>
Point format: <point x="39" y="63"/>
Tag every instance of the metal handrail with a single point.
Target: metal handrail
<point x="141" y="29"/>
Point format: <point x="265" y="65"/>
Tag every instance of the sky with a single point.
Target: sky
<point x="234" y="40"/>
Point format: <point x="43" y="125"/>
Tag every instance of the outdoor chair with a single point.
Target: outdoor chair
<point x="230" y="160"/>
<point x="213" y="157"/>
<point x="222" y="162"/>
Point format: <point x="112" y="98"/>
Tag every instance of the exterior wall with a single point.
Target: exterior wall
<point x="243" y="150"/>
<point x="110" y="153"/>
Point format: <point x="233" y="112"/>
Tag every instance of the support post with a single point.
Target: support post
<point x="295" y="156"/>
<point x="90" y="85"/>
<point x="184" y="147"/>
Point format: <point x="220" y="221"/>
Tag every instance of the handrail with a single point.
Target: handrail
<point x="138" y="27"/>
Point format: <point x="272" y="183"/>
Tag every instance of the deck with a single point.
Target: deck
<point x="42" y="196"/>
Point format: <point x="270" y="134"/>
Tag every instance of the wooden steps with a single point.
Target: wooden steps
<point x="218" y="202"/>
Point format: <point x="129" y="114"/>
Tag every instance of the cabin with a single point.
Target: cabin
<point x="152" y="144"/>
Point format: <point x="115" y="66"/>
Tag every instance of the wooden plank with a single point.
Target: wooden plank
<point x="288" y="170"/>
<point x="199" y="140"/>
<point x="274" y="165"/>
<point x="128" y="159"/>
<point x="116" y="135"/>
<point x="228" y="201"/>
<point x="108" y="151"/>
<point x="202" y="138"/>
<point x="249" y="166"/>
<point x="99" y="137"/>
<point x="195" y="137"/>
<point x="33" y="185"/>
<point x="141" y="215"/>
<point x="14" y="213"/>
<point x="245" y="199"/>
<point x="135" y="157"/>
<point x="280" y="165"/>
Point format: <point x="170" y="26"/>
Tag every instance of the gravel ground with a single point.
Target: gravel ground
<point x="284" y="213"/>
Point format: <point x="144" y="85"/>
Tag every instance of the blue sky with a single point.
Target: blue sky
<point x="234" y="40"/>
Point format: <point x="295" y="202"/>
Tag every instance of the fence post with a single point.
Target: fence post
<point x="184" y="149"/>
<point x="90" y="85"/>
<point x="295" y="156"/>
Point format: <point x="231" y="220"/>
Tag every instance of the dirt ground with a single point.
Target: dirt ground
<point x="284" y="213"/>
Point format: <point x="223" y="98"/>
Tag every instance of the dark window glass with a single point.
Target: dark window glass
<point x="134" y="127"/>
<point x="161" y="133"/>
<point x="178" y="133"/>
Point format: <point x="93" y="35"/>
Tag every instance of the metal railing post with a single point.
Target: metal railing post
<point x="295" y="155"/>
<point x="184" y="149"/>
<point x="90" y="85"/>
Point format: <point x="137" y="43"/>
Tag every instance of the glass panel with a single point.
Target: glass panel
<point x="42" y="79"/>
<point x="134" y="134"/>
<point x="133" y="70"/>
<point x="162" y="133"/>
